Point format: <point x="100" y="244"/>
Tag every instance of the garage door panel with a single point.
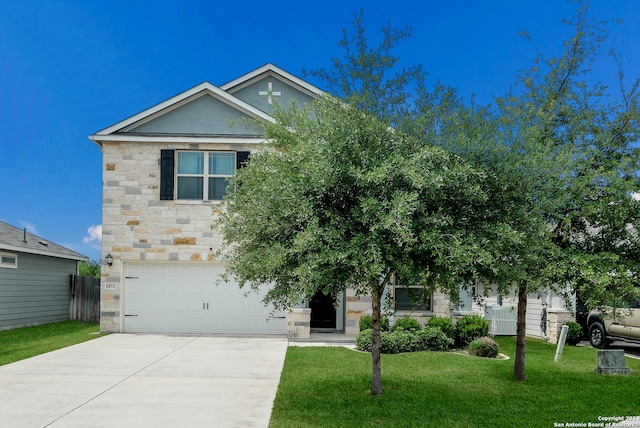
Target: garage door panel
<point x="183" y="298"/>
<point x="149" y="324"/>
<point x="277" y="324"/>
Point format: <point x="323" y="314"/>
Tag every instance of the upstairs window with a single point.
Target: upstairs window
<point x="198" y="175"/>
<point x="204" y="175"/>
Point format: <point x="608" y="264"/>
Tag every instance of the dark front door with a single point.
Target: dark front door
<point x="323" y="313"/>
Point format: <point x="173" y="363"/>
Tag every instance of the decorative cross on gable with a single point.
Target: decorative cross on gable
<point x="269" y="93"/>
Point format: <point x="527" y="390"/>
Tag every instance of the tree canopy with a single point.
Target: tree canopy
<point x="532" y="191"/>
<point x="368" y="78"/>
<point x="338" y="199"/>
<point x="89" y="268"/>
<point x="571" y="145"/>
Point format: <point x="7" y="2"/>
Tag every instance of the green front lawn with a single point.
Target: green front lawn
<point x="27" y="342"/>
<point x="329" y="387"/>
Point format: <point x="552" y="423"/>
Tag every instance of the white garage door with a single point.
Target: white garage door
<point x="184" y="298"/>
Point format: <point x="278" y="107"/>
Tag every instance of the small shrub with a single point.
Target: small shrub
<point x="390" y="343"/>
<point x="364" y="341"/>
<point x="432" y="339"/>
<point x="407" y="324"/>
<point x="469" y="328"/>
<point x="445" y="324"/>
<point x="387" y="344"/>
<point x="574" y="335"/>
<point x="384" y="324"/>
<point x="484" y="347"/>
<point x="398" y="341"/>
<point x="366" y="322"/>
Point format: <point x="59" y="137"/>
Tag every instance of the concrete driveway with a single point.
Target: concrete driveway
<point x="128" y="380"/>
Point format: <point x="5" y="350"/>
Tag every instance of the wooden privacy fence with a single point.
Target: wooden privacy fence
<point x="84" y="302"/>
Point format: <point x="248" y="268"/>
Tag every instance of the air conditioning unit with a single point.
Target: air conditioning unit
<point x="503" y="320"/>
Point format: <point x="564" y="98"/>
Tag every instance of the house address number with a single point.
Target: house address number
<point x="111" y="286"/>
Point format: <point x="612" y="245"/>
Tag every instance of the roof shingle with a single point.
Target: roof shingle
<point x="14" y="239"/>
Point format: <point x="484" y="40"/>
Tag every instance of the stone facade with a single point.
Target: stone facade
<point x="355" y="308"/>
<point x="299" y="323"/>
<point x="556" y="319"/>
<point x="439" y="307"/>
<point x="137" y="225"/>
<point x="359" y="306"/>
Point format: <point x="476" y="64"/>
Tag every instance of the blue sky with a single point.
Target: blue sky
<point x="69" y="68"/>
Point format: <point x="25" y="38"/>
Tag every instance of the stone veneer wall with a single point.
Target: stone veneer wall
<point x="439" y="307"/>
<point x="137" y="225"/>
<point x="556" y="319"/>
<point x="359" y="306"/>
<point x="299" y="323"/>
<point x="356" y="307"/>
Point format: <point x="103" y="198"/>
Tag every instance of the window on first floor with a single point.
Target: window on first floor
<point x="9" y="260"/>
<point x="408" y="296"/>
<point x="465" y="299"/>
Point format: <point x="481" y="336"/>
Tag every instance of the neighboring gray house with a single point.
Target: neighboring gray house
<point x="34" y="278"/>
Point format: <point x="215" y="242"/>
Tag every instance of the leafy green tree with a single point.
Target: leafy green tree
<point x="89" y="268"/>
<point x="338" y="200"/>
<point x="578" y="148"/>
<point x="556" y="140"/>
<point x="572" y="152"/>
<point x="368" y="78"/>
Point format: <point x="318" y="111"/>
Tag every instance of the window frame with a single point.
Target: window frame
<point x="205" y="176"/>
<point x="469" y="297"/>
<point x="415" y="307"/>
<point x="5" y="265"/>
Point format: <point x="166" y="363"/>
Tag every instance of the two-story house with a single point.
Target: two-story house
<point x="164" y="170"/>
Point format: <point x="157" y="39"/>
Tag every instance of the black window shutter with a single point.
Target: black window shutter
<point x="166" y="174"/>
<point x="241" y="159"/>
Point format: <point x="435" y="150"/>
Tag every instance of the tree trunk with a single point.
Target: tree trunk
<point x="376" y="372"/>
<point x="518" y="367"/>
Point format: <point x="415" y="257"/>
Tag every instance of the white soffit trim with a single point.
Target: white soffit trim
<point x="179" y="100"/>
<point x="272" y="70"/>
<point x="224" y="139"/>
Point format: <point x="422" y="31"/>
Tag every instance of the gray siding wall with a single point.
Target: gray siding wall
<point x="202" y="116"/>
<point x="251" y="94"/>
<point x="35" y="293"/>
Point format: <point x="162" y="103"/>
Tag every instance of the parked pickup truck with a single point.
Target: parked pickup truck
<point x="625" y="326"/>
